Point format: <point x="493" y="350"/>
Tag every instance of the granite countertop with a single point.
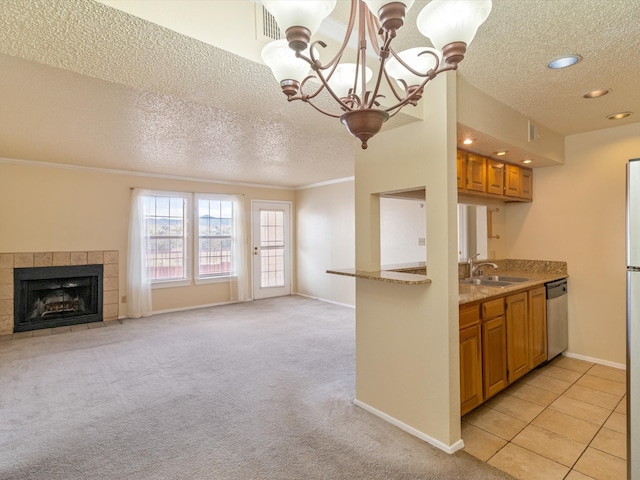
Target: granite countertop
<point x="538" y="271"/>
<point x="475" y="293"/>
<point x="389" y="276"/>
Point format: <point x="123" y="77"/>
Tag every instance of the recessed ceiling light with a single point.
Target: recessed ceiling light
<point x="618" y="116"/>
<point x="468" y="141"/>
<point x="500" y="153"/>
<point x="565" y="61"/>
<point x="600" y="92"/>
<point x="527" y="161"/>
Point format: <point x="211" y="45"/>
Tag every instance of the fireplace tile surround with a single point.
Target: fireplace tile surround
<point x="8" y="261"/>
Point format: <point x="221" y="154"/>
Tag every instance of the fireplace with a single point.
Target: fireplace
<point x="46" y="297"/>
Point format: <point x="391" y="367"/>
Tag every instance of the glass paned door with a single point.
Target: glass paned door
<point x="271" y="250"/>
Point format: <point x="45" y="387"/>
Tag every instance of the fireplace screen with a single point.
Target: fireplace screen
<point x="46" y="297"/>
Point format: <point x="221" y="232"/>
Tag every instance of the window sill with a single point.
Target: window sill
<point x="170" y="283"/>
<point x="207" y="280"/>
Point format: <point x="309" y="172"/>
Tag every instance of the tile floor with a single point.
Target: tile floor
<point x="566" y="420"/>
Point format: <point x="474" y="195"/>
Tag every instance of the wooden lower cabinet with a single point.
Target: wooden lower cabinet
<point x="494" y="356"/>
<point x="537" y="326"/>
<point x="517" y="336"/>
<point x="470" y="369"/>
<point x="500" y="341"/>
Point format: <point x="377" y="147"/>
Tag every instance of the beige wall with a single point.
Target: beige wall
<point x="325" y="238"/>
<point x="402" y="224"/>
<point x="407" y="360"/>
<point x="504" y="126"/>
<point x="578" y="215"/>
<point x="47" y="208"/>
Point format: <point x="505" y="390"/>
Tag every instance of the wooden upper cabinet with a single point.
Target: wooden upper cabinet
<point x="512" y="181"/>
<point x="495" y="177"/>
<point x="526" y="183"/>
<point x="476" y="173"/>
<point x="518" y="182"/>
<point x="483" y="176"/>
<point x="461" y="168"/>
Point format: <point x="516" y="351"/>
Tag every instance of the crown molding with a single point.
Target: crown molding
<point x="65" y="166"/>
<point x="328" y="182"/>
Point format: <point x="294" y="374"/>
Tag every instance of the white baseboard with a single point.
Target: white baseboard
<point x="577" y="356"/>
<point x="325" y="300"/>
<point x="194" y="307"/>
<point x="416" y="433"/>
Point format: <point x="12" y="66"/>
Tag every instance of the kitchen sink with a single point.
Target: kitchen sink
<point x="494" y="281"/>
<point x="485" y="282"/>
<point x="500" y="278"/>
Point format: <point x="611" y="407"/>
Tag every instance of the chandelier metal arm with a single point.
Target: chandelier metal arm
<point x="393" y="89"/>
<point x="383" y="55"/>
<point x="404" y="74"/>
<point x="413" y="71"/>
<point x="336" y="59"/>
<point x="314" y="94"/>
<point x="417" y="92"/>
<point x="361" y="61"/>
<point x="373" y="30"/>
<point x="329" y="114"/>
<point x="325" y="84"/>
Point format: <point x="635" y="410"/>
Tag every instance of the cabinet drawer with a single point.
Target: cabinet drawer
<point x="469" y="316"/>
<point x="493" y="308"/>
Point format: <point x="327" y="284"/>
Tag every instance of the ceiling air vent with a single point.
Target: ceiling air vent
<point x="266" y="27"/>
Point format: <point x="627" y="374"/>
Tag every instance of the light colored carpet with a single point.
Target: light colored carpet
<point x="261" y="390"/>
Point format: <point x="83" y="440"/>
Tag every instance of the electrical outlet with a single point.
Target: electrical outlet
<point x="422" y="241"/>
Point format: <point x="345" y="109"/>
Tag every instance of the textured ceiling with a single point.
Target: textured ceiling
<point x="86" y="84"/>
<point x="521" y="37"/>
<point x="129" y="94"/>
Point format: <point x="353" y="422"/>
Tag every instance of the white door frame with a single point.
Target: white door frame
<point x="255" y="205"/>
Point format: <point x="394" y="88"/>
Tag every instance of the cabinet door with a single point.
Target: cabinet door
<point x="537" y="326"/>
<point x="461" y="167"/>
<point x="494" y="356"/>
<point x="512" y="181"/>
<point x="517" y="336"/>
<point x="476" y="173"/>
<point x="470" y="369"/>
<point x="495" y="177"/>
<point x="526" y="183"/>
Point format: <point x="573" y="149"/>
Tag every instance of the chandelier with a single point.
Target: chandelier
<point x="449" y="24"/>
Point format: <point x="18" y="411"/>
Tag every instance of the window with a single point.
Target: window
<point x="171" y="237"/>
<point x="272" y="248"/>
<point x="166" y="230"/>
<point x="214" y="244"/>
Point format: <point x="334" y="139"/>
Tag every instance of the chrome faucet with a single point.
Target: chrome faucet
<point x="470" y="262"/>
<point x="476" y="269"/>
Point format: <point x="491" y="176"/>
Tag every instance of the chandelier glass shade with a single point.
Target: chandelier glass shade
<point x="450" y="25"/>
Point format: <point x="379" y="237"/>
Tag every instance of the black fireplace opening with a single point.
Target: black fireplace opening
<point x="47" y="297"/>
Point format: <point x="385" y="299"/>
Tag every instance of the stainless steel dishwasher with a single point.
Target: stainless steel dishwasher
<point x="557" y="322"/>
